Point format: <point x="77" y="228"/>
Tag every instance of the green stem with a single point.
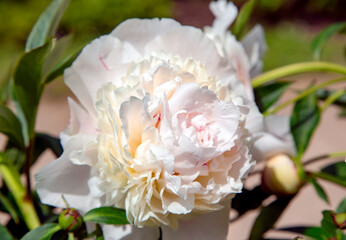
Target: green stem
<point x="11" y="177"/>
<point x="328" y="177"/>
<point x="332" y="98"/>
<point x="297" y="68"/>
<point x="302" y="95"/>
<point x="325" y="156"/>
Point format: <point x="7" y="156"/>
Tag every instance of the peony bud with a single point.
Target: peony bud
<point x="280" y="176"/>
<point x="70" y="220"/>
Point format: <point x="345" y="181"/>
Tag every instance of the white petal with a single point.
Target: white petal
<point x="225" y="13"/>
<point x="255" y="46"/>
<point x="138" y="32"/>
<point x="128" y="232"/>
<point x="103" y="60"/>
<point x="61" y="177"/>
<point x="212" y="225"/>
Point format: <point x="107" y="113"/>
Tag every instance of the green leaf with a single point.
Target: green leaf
<point x="342" y="206"/>
<point x="243" y="18"/>
<point x="268" y="217"/>
<point x="327" y="224"/>
<point x="304" y="120"/>
<point x="10" y="125"/>
<point x="9" y="207"/>
<point x="27" y="87"/>
<point x="44" y="232"/>
<point x="320" y="192"/>
<point x="44" y="141"/>
<point x="5" y="235"/>
<point x="323" y="94"/>
<point x="268" y="94"/>
<point x="106" y="215"/>
<point x="319" y="41"/>
<point x="46" y="24"/>
<point x="61" y="66"/>
<point x="337" y="170"/>
<point x="248" y="200"/>
<point x="314" y="232"/>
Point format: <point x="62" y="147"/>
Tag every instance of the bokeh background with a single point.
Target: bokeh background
<point x="290" y="26"/>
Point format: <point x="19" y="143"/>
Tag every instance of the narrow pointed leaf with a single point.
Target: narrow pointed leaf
<point x="342" y="206"/>
<point x="304" y="120"/>
<point x="27" y="87"/>
<point x="44" y="232"/>
<point x="58" y="69"/>
<point x="268" y="217"/>
<point x="10" y="125"/>
<point x="243" y="18"/>
<point x="45" y="141"/>
<point x="268" y="94"/>
<point x="319" y="41"/>
<point x="106" y="215"/>
<point x="5" y="235"/>
<point x="319" y="190"/>
<point x="46" y="24"/>
<point x="7" y="204"/>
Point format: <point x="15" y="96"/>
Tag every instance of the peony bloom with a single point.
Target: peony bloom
<point x="163" y="129"/>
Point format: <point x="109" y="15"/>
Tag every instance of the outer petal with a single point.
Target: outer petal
<point x="104" y="60"/>
<point x="62" y="177"/>
<point x="213" y="225"/>
<point x="138" y="32"/>
<point x="225" y="13"/>
<point x="128" y="232"/>
<point x="255" y="46"/>
<point x="276" y="139"/>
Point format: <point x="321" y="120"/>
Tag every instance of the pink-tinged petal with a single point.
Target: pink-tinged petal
<point x="62" y="177"/>
<point x="255" y="46"/>
<point x="138" y="32"/>
<point x="254" y="120"/>
<point x="102" y="61"/>
<point x="128" y="232"/>
<point x="212" y="225"/>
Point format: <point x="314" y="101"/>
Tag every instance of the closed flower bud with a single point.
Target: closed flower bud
<point x="70" y="220"/>
<point x="280" y="176"/>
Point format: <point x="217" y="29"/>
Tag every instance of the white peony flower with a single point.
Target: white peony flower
<point x="162" y="129"/>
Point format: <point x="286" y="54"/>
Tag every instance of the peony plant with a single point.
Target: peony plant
<point x="168" y="123"/>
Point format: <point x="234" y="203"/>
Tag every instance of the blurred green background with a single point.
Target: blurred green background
<point x="290" y="24"/>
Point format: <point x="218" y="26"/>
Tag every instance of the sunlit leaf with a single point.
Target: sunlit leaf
<point x="319" y="41"/>
<point x="44" y="232"/>
<point x="46" y="24"/>
<point x="10" y="125"/>
<point x="5" y="235"/>
<point x="268" y="217"/>
<point x="268" y="94"/>
<point x="342" y="206"/>
<point x="243" y="18"/>
<point x="304" y="120"/>
<point x="58" y="70"/>
<point x="320" y="192"/>
<point x="27" y="87"/>
<point x="106" y="215"/>
<point x="327" y="224"/>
